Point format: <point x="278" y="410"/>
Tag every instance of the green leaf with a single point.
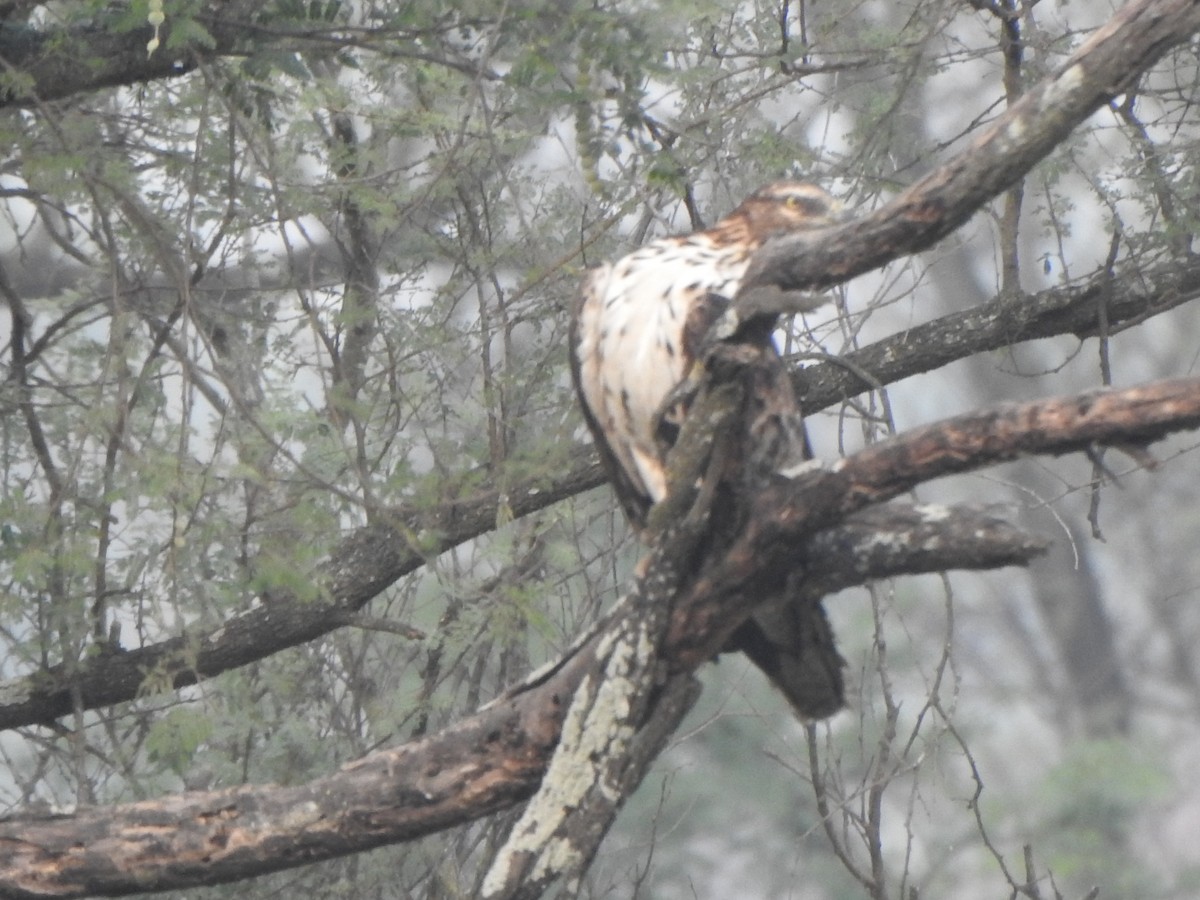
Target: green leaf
<point x="175" y="738"/>
<point x="189" y="33"/>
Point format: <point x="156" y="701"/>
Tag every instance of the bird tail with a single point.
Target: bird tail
<point x="793" y="644"/>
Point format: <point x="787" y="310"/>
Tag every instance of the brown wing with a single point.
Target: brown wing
<point x="634" y="503"/>
<point x="702" y="315"/>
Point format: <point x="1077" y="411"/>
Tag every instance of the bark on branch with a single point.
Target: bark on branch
<point x="497" y="757"/>
<point x="1122" y="302"/>
<point x="790" y="509"/>
<point x="47" y="64"/>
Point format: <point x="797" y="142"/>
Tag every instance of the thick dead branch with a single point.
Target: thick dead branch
<point x="1110" y="60"/>
<point x="570" y="835"/>
<point x="911" y="539"/>
<point x="45" y="64"/>
<point x="488" y="762"/>
<point x="485" y="763"/>
<point x="558" y="840"/>
<point x="54" y="63"/>
<point x="619" y="720"/>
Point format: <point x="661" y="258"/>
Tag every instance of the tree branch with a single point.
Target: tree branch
<point x="790" y="509"/>
<point x="556" y="840"/>
<point x="50" y="64"/>
<point x="1001" y="322"/>
<point x="1112" y="58"/>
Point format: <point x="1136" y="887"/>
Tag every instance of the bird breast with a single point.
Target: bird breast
<point x="635" y="346"/>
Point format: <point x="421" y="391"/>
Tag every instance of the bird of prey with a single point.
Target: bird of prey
<point x="637" y="328"/>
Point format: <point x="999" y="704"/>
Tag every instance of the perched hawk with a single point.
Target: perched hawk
<point x="637" y="328"/>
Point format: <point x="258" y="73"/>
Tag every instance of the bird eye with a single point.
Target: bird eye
<point x="809" y="206"/>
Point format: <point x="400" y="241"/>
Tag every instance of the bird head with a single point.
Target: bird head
<point x="783" y="207"/>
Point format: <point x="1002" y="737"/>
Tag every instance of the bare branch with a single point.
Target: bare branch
<point x="1110" y="60"/>
<point x="1002" y="322"/>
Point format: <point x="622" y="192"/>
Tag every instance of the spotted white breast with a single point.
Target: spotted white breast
<point x="633" y="343"/>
